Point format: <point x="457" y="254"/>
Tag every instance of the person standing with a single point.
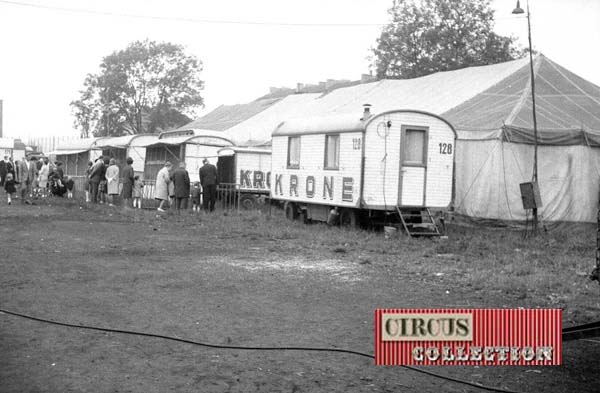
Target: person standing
<point x="137" y="192"/>
<point x="112" y="181"/>
<point x="43" y="177"/>
<point x="88" y="185"/>
<point x="95" y="178"/>
<point x="9" y="187"/>
<point x="102" y="187"/>
<point x="161" y="190"/>
<point x="33" y="177"/>
<point x="209" y="180"/>
<point x="10" y="168"/>
<point x="26" y="172"/>
<point x="128" y="180"/>
<point x="195" y="191"/>
<point x="3" y="170"/>
<point x="59" y="172"/>
<point x="181" y="184"/>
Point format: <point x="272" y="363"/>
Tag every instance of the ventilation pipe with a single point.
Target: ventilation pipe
<point x="366" y="112"/>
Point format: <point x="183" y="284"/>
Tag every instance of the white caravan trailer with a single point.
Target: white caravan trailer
<point x="248" y="167"/>
<point x="191" y="146"/>
<point x="385" y="169"/>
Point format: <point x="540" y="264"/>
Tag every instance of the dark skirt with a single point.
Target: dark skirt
<point x="10" y="188"/>
<point x="127" y="190"/>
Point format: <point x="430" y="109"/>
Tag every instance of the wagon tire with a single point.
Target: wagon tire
<point x="291" y="211"/>
<point x="248" y="202"/>
<point x="348" y="218"/>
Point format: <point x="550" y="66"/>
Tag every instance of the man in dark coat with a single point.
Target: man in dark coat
<point x="96" y="174"/>
<point x="3" y="170"/>
<point x="209" y="180"/>
<point x="127" y="175"/>
<point x="181" y="182"/>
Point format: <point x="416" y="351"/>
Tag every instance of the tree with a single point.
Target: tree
<point x="427" y="36"/>
<point x="145" y="88"/>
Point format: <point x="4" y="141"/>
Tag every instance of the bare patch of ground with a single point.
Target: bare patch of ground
<point x="258" y="280"/>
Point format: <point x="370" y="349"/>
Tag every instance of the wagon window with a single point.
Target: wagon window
<point x="332" y="151"/>
<point x="293" y="159"/>
<point x="414" y="147"/>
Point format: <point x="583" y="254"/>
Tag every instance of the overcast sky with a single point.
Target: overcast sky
<point x="46" y="52"/>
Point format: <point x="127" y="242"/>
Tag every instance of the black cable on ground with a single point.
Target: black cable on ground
<point x="237" y="347"/>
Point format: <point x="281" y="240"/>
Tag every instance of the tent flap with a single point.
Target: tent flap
<point x="563" y="137"/>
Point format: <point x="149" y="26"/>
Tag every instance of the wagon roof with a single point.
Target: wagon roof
<point x="74" y="146"/>
<point x="320" y="125"/>
<point x="123" y="142"/>
<point x="230" y="150"/>
<point x="338" y="123"/>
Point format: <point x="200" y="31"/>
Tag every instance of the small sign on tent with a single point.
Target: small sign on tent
<point x="530" y="195"/>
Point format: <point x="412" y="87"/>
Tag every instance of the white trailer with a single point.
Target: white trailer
<point x="386" y="169"/>
<point x="249" y="168"/>
<point x="191" y="146"/>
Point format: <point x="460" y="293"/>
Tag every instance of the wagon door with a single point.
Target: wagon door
<point x="413" y="165"/>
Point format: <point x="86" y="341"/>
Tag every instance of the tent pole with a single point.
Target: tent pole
<point x="535" y="131"/>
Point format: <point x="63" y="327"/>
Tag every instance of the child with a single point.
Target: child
<point x="196" y="197"/>
<point x="102" y="191"/>
<point x="9" y="187"/>
<point x="137" y="192"/>
<point x="70" y="185"/>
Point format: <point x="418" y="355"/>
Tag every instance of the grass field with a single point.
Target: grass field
<point x="257" y="279"/>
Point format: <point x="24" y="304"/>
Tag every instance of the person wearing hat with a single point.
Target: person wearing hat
<point x="209" y="180"/>
<point x="181" y="185"/>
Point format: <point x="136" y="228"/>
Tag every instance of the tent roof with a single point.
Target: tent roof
<point x="227" y="116"/>
<point x="257" y="129"/>
<point x="564" y="103"/>
<point x="435" y="93"/>
<point x="478" y="101"/>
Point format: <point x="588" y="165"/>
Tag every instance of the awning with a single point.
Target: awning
<point x="66" y="152"/>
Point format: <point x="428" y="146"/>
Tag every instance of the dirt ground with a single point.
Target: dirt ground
<point x="257" y="280"/>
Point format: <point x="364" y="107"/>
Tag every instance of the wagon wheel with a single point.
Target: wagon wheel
<point x="291" y="212"/>
<point x="248" y="202"/>
<point x="348" y="218"/>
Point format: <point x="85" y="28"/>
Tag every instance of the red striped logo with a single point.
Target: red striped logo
<point x="478" y="337"/>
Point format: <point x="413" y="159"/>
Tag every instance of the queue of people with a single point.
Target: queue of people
<point x="31" y="177"/>
<point x="103" y="182"/>
<point x="106" y="183"/>
<point x="173" y="187"/>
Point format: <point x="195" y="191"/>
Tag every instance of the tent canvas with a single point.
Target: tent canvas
<point x="495" y="146"/>
<point x="490" y="107"/>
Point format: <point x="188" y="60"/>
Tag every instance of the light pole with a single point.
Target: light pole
<point x="517" y="11"/>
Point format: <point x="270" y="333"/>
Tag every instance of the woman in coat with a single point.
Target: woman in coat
<point x="112" y="181"/>
<point x="161" y="191"/>
<point x="43" y="177"/>
<point x="127" y="182"/>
